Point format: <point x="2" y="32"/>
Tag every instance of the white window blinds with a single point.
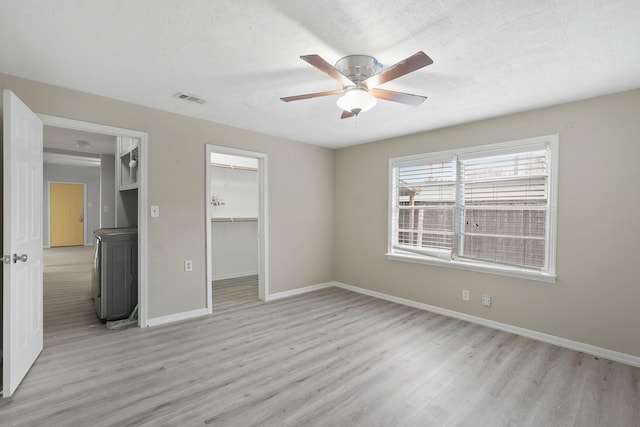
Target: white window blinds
<point x="488" y="208"/>
<point x="425" y="206"/>
<point x="503" y="208"/>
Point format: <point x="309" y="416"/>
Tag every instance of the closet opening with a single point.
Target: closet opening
<point x="236" y="225"/>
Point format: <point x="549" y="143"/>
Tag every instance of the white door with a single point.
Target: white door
<point x="22" y="229"/>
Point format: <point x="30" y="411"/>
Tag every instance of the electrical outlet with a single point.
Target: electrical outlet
<point x="466" y="295"/>
<point x="486" y="300"/>
<point x="188" y="265"/>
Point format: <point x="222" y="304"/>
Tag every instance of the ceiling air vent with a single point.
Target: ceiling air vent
<point x="189" y="97"/>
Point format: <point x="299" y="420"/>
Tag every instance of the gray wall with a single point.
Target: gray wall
<point x="595" y="299"/>
<point x="78" y="175"/>
<point x="299" y="255"/>
<point x="127" y="208"/>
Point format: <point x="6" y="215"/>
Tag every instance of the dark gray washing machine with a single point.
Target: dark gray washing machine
<point x="115" y="272"/>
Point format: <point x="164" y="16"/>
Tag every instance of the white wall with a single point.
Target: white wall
<point x="239" y="190"/>
<point x="234" y="249"/>
<point x="79" y="175"/>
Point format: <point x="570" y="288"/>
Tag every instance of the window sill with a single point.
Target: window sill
<point x="476" y="267"/>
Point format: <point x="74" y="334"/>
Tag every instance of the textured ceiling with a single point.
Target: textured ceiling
<point x="491" y="57"/>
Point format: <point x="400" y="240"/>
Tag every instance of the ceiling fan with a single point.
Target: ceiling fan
<point x="360" y="76"/>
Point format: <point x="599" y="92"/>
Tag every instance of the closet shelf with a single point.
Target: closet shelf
<point x="241" y="219"/>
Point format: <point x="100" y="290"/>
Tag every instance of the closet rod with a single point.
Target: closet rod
<point x="240" y="168"/>
<point x="234" y="219"/>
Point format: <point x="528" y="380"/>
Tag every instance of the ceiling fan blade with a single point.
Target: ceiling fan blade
<point x="402" y="98"/>
<point x="412" y="63"/>
<point x="346" y="114"/>
<point x="312" y="95"/>
<point x="328" y="69"/>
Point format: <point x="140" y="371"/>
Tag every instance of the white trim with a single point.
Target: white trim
<point x="552" y="189"/>
<point x="520" y="273"/>
<point x="207" y="230"/>
<point x="299" y="291"/>
<point x="143" y="209"/>
<point x="185" y="315"/>
<point x="540" y="336"/>
<point x="263" y="219"/>
<point x="234" y="275"/>
<point x="63" y="122"/>
<point x="143" y="137"/>
<point x="508" y="147"/>
<point x="263" y="229"/>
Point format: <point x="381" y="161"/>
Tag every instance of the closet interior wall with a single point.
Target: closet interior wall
<point x="234" y="222"/>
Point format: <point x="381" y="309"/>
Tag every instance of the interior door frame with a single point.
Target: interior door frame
<point x="62" y="122"/>
<point x="263" y="218"/>
<point x="84" y="209"/>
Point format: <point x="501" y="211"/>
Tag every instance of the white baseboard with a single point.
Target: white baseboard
<point x="234" y="275"/>
<point x="185" y="315"/>
<point x="203" y="311"/>
<point x="551" y="339"/>
<point x="299" y="291"/>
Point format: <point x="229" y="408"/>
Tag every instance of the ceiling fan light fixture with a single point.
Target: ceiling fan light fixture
<point x="360" y="73"/>
<point x="356" y="100"/>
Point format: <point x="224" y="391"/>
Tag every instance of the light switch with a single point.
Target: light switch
<point x="155" y="211"/>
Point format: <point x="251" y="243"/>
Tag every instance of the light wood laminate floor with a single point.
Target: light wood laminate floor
<point x="327" y="358"/>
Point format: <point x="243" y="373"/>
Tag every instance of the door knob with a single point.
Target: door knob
<point x="17" y="258"/>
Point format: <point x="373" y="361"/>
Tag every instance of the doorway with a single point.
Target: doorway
<point x="106" y="210"/>
<point x="66" y="214"/>
<point x="236" y="212"/>
<point x="22" y="327"/>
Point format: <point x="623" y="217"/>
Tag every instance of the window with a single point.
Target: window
<point x="489" y="208"/>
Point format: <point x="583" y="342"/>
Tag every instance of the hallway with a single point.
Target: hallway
<point x="68" y="309"/>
